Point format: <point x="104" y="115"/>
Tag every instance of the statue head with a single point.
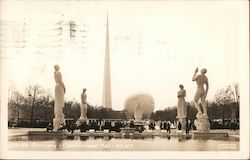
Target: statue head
<point x="84" y="90"/>
<point x="203" y="70"/>
<point x="56" y="67"/>
<point x="181" y="86"/>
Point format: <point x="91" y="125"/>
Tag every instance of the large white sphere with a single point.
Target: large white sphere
<point x="146" y="102"/>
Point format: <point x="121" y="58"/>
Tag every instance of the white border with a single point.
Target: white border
<point x="243" y="9"/>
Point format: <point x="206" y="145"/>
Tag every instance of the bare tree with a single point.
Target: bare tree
<point x="226" y="97"/>
<point x="236" y="96"/>
<point x="36" y="96"/>
<point x="16" y="101"/>
<point x="236" y="92"/>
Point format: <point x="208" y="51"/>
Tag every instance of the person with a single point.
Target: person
<point x="132" y="125"/>
<point x="59" y="98"/>
<point x="168" y="128"/>
<point x="83" y="127"/>
<point x="72" y="127"/>
<point x="187" y="128"/>
<point x="193" y="127"/>
<point x="201" y="93"/>
<point x="152" y="125"/>
<point x="83" y="105"/>
<point x="164" y="125"/>
<point x="161" y="125"/>
<point x="49" y="127"/>
<point x="61" y="127"/>
<point x="231" y="125"/>
<point x="190" y="125"/>
<point x="179" y="126"/>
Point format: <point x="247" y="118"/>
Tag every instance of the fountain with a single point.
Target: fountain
<point x="202" y="122"/>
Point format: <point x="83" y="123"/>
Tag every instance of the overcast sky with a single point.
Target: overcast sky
<point x="154" y="46"/>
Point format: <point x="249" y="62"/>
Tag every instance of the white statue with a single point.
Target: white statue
<point x="59" y="99"/>
<point x="83" y="106"/>
<point x="201" y="93"/>
<point x="182" y="109"/>
<point x="138" y="113"/>
<point x="202" y="123"/>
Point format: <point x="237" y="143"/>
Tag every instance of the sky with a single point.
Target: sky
<point x="154" y="46"/>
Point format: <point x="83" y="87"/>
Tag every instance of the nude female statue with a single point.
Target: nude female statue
<point x="201" y="93"/>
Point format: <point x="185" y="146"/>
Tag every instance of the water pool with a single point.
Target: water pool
<point x="19" y="141"/>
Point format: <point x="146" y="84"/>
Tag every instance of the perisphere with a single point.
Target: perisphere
<point x="146" y="102"/>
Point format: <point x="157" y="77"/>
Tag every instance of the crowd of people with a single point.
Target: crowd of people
<point x="165" y="126"/>
<point x="112" y="125"/>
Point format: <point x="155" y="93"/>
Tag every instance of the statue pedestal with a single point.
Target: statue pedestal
<point x="57" y="123"/>
<point x="202" y="123"/>
<point x="183" y="122"/>
<point x="203" y="126"/>
<point x="127" y="132"/>
<point x="210" y="135"/>
<point x="82" y="119"/>
<point x="138" y="122"/>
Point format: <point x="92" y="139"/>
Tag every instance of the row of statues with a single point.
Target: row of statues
<point x="201" y="122"/>
<point x="59" y="101"/>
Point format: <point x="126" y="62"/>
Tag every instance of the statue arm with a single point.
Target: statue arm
<point x="82" y="98"/>
<point x="60" y="81"/>
<point x="207" y="85"/>
<point x="194" y="76"/>
<point x="179" y="94"/>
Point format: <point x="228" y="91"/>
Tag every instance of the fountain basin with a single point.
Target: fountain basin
<point x="210" y="135"/>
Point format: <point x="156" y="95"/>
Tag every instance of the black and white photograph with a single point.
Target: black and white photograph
<point x="143" y="79"/>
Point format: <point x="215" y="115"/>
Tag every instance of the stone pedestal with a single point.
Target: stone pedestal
<point x="202" y="123"/>
<point x="82" y="119"/>
<point x="210" y="135"/>
<point x="57" y="123"/>
<point x="138" y="123"/>
<point x="183" y="122"/>
<point x="126" y="132"/>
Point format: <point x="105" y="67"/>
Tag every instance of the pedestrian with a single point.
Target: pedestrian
<point x="168" y="127"/>
<point x="165" y="125"/>
<point x="187" y="128"/>
<point x="179" y="126"/>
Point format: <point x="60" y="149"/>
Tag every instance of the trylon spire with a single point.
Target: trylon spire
<point x="106" y="97"/>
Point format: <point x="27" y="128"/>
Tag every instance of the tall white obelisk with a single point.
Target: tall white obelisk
<point x="106" y="97"/>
